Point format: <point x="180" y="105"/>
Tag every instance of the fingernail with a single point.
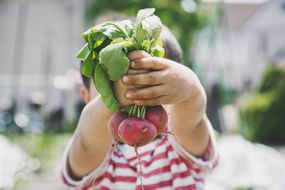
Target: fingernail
<point x="136" y="102"/>
<point x="125" y="79"/>
<point x="132" y="64"/>
<point x="128" y="95"/>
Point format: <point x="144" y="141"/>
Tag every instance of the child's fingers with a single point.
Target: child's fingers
<point x="140" y="71"/>
<point x="131" y="87"/>
<point x="151" y="78"/>
<point x="162" y="100"/>
<point x="137" y="54"/>
<point x="146" y="93"/>
<point x="149" y="63"/>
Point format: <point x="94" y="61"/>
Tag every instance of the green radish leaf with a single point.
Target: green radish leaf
<point x="148" y="26"/>
<point x="127" y="26"/>
<point x="118" y="40"/>
<point x="144" y="13"/>
<point x="83" y="53"/>
<point x="113" y="30"/>
<point x="129" y="42"/>
<point x="158" y="42"/>
<point x="88" y="66"/>
<point x="157" y="51"/>
<point x="90" y="41"/>
<point x="140" y="33"/>
<point x="129" y="29"/>
<point x="153" y="26"/>
<point x="105" y="43"/>
<point x="103" y="85"/>
<point x="98" y="39"/>
<point x="85" y="34"/>
<point x="146" y="45"/>
<point x="115" y="60"/>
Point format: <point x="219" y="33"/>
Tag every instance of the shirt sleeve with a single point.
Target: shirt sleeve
<point x="90" y="178"/>
<point x="210" y="158"/>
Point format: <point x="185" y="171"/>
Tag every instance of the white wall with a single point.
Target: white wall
<point x="47" y="42"/>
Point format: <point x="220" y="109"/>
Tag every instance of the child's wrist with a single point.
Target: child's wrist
<point x="95" y="106"/>
<point x="196" y="98"/>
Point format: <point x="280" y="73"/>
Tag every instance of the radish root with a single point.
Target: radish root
<point x="140" y="166"/>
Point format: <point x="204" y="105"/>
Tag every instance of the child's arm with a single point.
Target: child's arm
<point x="91" y="140"/>
<point x="175" y="84"/>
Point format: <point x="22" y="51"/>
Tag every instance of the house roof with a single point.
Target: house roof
<point x="237" y="12"/>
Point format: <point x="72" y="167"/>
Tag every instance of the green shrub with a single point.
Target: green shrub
<point x="273" y="79"/>
<point x="263" y="116"/>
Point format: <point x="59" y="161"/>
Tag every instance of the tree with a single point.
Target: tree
<point x="182" y="23"/>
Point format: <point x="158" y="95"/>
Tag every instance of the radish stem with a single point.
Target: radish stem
<point x="137" y="111"/>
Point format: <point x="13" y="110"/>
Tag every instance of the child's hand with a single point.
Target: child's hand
<point x="119" y="91"/>
<point x="167" y="82"/>
<point x="120" y="88"/>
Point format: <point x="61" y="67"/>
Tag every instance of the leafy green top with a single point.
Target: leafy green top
<point x="104" y="55"/>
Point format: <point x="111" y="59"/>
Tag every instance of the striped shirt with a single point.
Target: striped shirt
<point x="165" y="165"/>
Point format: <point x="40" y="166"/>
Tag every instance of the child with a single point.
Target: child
<point x="176" y="162"/>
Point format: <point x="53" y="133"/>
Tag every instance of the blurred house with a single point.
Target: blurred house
<point x="231" y="53"/>
<point x="245" y="36"/>
<point x="39" y="40"/>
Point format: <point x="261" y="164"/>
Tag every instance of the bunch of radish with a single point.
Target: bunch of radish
<point x="105" y="60"/>
<point x="140" y="126"/>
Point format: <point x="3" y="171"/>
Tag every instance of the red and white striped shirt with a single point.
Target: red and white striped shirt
<point x="165" y="165"/>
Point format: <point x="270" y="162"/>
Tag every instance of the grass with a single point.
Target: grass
<point x="38" y="146"/>
<point x="44" y="147"/>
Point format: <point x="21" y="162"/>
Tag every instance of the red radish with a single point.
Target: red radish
<point x="137" y="131"/>
<point x="114" y="122"/>
<point x="158" y="116"/>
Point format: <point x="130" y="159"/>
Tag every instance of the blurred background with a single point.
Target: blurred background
<point x="236" y="47"/>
